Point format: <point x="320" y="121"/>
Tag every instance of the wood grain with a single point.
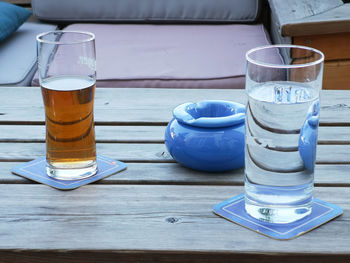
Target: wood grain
<point x="310" y="17"/>
<point x="336" y="74"/>
<point x="334" y="46"/>
<point x="142" y="134"/>
<point x="112" y="105"/>
<point x="150" y="152"/>
<point x="147" y="219"/>
<point x="291" y="10"/>
<point x="333" y="135"/>
<point x="335" y="20"/>
<point x="134" y="152"/>
<point x="36" y="133"/>
<point x="119" y="106"/>
<point x="175" y="174"/>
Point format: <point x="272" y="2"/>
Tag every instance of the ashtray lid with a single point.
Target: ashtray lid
<point x="210" y="113"/>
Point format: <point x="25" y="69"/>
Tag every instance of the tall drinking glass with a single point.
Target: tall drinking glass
<point x="283" y="83"/>
<point x="67" y="76"/>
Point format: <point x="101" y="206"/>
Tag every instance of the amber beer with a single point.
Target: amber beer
<point x="70" y="135"/>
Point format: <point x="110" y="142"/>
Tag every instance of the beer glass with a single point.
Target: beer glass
<point x="67" y="76"/>
<point x="283" y="83"/>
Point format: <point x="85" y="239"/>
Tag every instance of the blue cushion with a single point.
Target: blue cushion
<point x="11" y="18"/>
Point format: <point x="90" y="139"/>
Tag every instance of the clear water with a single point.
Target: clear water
<point x="280" y="151"/>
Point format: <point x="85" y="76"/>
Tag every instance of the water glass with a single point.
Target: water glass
<point x="283" y="83"/>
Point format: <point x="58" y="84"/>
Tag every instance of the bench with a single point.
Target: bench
<point x="324" y="25"/>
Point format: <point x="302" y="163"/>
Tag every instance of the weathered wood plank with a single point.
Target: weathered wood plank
<point x="337" y="53"/>
<point x="309" y="17"/>
<point x="336" y="74"/>
<point x="141" y="134"/>
<point x="111" y="105"/>
<point x="291" y="10"/>
<point x="125" y="152"/>
<point x="327" y="43"/>
<point x="150" y="173"/>
<point x="119" y="106"/>
<point x="150" y="152"/>
<point x="36" y="133"/>
<point x="174" y="173"/>
<point x="122" y="218"/>
<point x="336" y="20"/>
<point x="333" y="135"/>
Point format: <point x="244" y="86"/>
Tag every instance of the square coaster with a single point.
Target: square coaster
<point x="233" y="210"/>
<point x="36" y="170"/>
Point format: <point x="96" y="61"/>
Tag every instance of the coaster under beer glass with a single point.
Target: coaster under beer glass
<point x="67" y="76"/>
<point x="283" y="84"/>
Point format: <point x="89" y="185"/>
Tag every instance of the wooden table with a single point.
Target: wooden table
<point x="156" y="210"/>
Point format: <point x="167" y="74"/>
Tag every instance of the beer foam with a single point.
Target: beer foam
<point x="67" y="83"/>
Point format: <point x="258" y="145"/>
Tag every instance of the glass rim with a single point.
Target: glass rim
<point x="272" y="65"/>
<point x="90" y="37"/>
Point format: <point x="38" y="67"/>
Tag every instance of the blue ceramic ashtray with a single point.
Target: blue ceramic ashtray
<point x="208" y="135"/>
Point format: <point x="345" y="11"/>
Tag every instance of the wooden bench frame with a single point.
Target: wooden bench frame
<point x="324" y="25"/>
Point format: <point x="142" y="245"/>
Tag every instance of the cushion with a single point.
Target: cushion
<point x="18" y="54"/>
<point x="147" y="10"/>
<point x="172" y="56"/>
<point x="11" y="18"/>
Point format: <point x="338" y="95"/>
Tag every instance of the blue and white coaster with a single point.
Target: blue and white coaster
<point x="36" y="170"/>
<point x="233" y="210"/>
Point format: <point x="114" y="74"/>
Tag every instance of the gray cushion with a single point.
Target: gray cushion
<point x="147" y="10"/>
<point x="170" y="56"/>
<point x="18" y="54"/>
